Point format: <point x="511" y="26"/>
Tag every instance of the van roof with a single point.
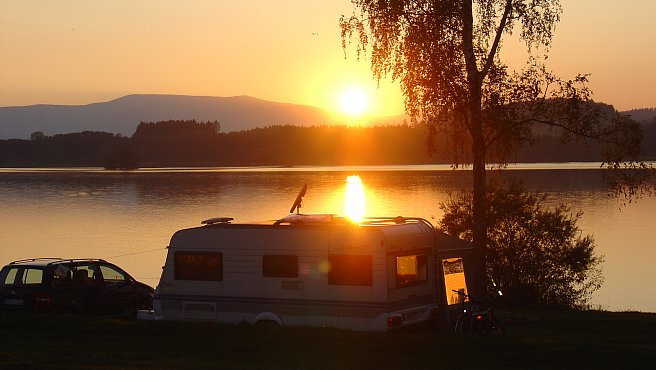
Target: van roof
<point x="45" y="261"/>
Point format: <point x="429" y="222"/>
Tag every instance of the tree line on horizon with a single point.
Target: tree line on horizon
<point x="192" y="143"/>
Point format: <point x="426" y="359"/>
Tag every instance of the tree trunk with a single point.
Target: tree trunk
<point x="475" y="125"/>
<point x="479" y="194"/>
<point x="478" y="150"/>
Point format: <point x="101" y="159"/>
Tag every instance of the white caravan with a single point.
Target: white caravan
<point x="303" y="270"/>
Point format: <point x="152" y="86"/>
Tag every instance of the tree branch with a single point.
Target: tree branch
<point x="497" y="38"/>
<point x="468" y="44"/>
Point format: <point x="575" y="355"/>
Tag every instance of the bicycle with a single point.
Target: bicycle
<point x="476" y="317"/>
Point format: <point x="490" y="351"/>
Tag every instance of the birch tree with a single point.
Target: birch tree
<point x="446" y="55"/>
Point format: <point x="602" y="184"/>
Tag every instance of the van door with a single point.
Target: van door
<point x="118" y="290"/>
<point x="86" y="286"/>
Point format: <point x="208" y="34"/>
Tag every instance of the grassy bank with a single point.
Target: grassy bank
<point x="535" y="340"/>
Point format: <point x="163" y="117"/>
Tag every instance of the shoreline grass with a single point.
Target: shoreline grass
<point x="534" y="340"/>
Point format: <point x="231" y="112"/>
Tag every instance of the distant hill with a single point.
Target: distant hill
<point x="238" y="113"/>
<point x="645" y="115"/>
<point x="122" y="115"/>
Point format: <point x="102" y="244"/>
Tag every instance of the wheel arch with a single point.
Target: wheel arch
<point x="267" y="317"/>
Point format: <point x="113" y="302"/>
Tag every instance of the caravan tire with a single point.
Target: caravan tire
<point x="267" y="324"/>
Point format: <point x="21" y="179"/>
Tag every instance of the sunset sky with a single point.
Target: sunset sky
<point x="81" y="51"/>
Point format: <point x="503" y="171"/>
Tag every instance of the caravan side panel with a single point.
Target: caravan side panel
<point x="241" y="288"/>
<point x="342" y="276"/>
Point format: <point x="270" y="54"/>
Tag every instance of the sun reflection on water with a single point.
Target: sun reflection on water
<point x="354" y="201"/>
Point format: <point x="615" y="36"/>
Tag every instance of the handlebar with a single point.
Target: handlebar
<point x="474" y="300"/>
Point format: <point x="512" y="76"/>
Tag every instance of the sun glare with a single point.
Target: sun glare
<point x="354" y="201"/>
<point x="353" y="101"/>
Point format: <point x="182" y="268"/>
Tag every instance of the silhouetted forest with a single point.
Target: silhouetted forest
<point x="644" y="115"/>
<point x="191" y="143"/>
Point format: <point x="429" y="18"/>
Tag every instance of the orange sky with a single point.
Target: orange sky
<point x="81" y="51"/>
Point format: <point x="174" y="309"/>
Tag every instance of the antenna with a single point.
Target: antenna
<point x="299" y="199"/>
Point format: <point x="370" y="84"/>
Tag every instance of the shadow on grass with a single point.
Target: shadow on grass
<point x="535" y="340"/>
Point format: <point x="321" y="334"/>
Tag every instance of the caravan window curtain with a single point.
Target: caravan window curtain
<point x="280" y="266"/>
<point x="202" y="266"/>
<point x="348" y="269"/>
<point x="411" y="270"/>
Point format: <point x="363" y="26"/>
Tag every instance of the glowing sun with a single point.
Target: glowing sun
<point x="353" y="101"/>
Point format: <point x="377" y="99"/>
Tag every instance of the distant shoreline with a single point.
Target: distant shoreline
<point x="347" y="168"/>
<point x="191" y="144"/>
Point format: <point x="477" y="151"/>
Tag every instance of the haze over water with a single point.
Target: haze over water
<point x="128" y="218"/>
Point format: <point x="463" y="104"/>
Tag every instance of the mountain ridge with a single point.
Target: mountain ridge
<point x="123" y="114"/>
<point x="235" y="113"/>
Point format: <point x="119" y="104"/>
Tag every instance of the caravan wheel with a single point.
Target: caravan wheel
<point x="267" y="319"/>
<point x="267" y="324"/>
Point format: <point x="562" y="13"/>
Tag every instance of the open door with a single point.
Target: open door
<point x="454" y="279"/>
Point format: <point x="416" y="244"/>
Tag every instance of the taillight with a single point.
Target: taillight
<point x="479" y="317"/>
<point x="394" y="320"/>
<point x="43" y="300"/>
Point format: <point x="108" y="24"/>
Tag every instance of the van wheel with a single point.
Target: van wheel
<point x="145" y="305"/>
<point x="68" y="312"/>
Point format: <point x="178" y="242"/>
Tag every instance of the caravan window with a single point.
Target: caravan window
<point x="411" y="270"/>
<point x="280" y="266"/>
<point x="346" y="269"/>
<point x="198" y="266"/>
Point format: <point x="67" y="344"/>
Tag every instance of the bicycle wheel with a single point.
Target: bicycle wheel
<point x="458" y="327"/>
<point x="496" y="328"/>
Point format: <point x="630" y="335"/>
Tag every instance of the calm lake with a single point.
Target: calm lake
<point x="129" y="217"/>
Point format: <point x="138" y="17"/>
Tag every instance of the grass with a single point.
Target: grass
<point x="534" y="340"/>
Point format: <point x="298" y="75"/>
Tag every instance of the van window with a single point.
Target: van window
<point x="111" y="275"/>
<point x="454" y="279"/>
<point x="9" y="276"/>
<point x="84" y="275"/>
<point x="62" y="275"/>
<point x="32" y="276"/>
<point x="411" y="270"/>
<point x="280" y="266"/>
<point x="203" y="266"/>
<point x="347" y="269"/>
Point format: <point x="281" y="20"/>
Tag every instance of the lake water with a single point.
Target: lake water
<point x="129" y="217"/>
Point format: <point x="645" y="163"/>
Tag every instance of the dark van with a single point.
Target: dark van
<point x="72" y="286"/>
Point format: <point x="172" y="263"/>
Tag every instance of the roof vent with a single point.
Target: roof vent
<point x="217" y="220"/>
<point x="294" y="218"/>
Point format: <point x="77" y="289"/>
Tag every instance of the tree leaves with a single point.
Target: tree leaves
<point x="446" y="56"/>
<point x="536" y="254"/>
